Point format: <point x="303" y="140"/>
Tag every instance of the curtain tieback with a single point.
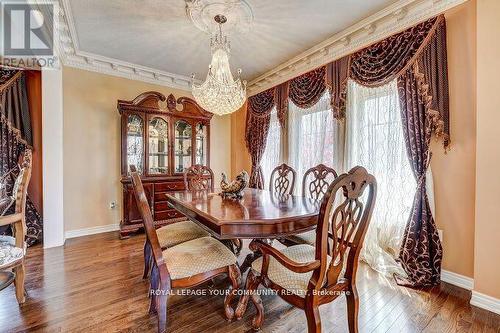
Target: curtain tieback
<point x="423" y="177"/>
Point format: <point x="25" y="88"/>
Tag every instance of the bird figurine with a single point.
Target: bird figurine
<point x="234" y="188"/>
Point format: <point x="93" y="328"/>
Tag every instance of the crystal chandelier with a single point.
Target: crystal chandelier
<point x="220" y="93"/>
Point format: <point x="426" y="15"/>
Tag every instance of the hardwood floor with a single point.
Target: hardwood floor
<point x="94" y="284"/>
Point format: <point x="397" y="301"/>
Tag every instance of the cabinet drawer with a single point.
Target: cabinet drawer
<point x="170" y="186"/>
<point x="168" y="214"/>
<point x="160" y="206"/>
<point x="160" y="197"/>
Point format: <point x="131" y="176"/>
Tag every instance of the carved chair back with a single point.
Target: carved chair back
<point x="317" y="180"/>
<point x="20" y="193"/>
<point x="343" y="219"/>
<point x="20" y="188"/>
<point x="199" y="177"/>
<point x="147" y="218"/>
<point x="282" y="180"/>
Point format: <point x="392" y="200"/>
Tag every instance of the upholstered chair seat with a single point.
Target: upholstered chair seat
<point x="13" y="249"/>
<point x="184" y="265"/>
<point x="197" y="256"/>
<point x="308" y="276"/>
<point x="9" y="253"/>
<point x="308" y="237"/>
<point x="179" y="232"/>
<point x="282" y="276"/>
<point x="11" y="240"/>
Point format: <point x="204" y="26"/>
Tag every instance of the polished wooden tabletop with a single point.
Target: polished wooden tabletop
<point x="259" y="214"/>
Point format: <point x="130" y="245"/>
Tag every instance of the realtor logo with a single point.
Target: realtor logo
<point x="28" y="29"/>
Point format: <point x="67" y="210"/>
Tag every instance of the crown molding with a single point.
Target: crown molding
<point x="393" y="19"/>
<point x="71" y="56"/>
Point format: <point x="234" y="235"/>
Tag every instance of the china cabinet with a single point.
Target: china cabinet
<point x="161" y="140"/>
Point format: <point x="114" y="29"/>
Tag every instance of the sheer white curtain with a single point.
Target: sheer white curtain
<point x="374" y="139"/>
<point x="272" y="155"/>
<point x="314" y="137"/>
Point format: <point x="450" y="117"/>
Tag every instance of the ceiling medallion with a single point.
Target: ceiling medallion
<point x="220" y="93"/>
<point x="238" y="13"/>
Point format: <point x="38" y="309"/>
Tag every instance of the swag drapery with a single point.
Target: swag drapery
<point x="15" y="138"/>
<point x="416" y="58"/>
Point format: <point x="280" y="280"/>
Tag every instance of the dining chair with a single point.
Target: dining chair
<point x="199" y="177"/>
<point x="315" y="183"/>
<point x="196" y="176"/>
<point x="185" y="265"/>
<point x="13" y="248"/>
<point x="282" y="180"/>
<point x="307" y="276"/>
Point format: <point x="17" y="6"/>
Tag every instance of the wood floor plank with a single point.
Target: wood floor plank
<point x="94" y="284"/>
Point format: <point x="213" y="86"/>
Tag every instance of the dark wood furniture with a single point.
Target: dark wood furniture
<point x="199" y="177"/>
<point x="161" y="141"/>
<point x="316" y="181"/>
<point x="259" y="214"/>
<point x="282" y="179"/>
<point x="340" y="232"/>
<point x="16" y="247"/>
<point x="163" y="274"/>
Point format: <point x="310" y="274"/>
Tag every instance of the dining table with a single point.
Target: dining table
<point x="258" y="214"/>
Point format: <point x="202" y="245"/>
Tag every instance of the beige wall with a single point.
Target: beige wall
<point x="240" y="159"/>
<point x="454" y="172"/>
<point x="92" y="145"/>
<point x="487" y="230"/>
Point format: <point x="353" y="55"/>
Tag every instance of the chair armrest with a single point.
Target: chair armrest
<point x="10" y="219"/>
<point x="294" y="266"/>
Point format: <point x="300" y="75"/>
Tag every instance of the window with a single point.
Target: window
<point x="272" y="155"/>
<point x="314" y="137"/>
<point x="374" y="140"/>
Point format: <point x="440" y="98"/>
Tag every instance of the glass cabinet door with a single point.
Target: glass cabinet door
<point x="158" y="146"/>
<point x="201" y="144"/>
<point x="135" y="143"/>
<point x="182" y="146"/>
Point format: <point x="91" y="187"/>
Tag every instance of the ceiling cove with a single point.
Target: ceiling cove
<point x="390" y="20"/>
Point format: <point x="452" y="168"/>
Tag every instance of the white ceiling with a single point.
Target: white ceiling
<point x="158" y="34"/>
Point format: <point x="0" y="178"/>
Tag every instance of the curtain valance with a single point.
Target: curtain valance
<point x="306" y="90"/>
<point x="423" y="45"/>
<point x="380" y="63"/>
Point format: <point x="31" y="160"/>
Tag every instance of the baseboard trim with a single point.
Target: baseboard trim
<point x="485" y="302"/>
<point x="458" y="280"/>
<point x="91" y="231"/>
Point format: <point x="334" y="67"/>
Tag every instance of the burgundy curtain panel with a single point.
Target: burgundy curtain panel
<point x="420" y="252"/>
<point x="15" y="138"/>
<point x="259" y="109"/>
<point x="416" y="58"/>
<point x="337" y="75"/>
